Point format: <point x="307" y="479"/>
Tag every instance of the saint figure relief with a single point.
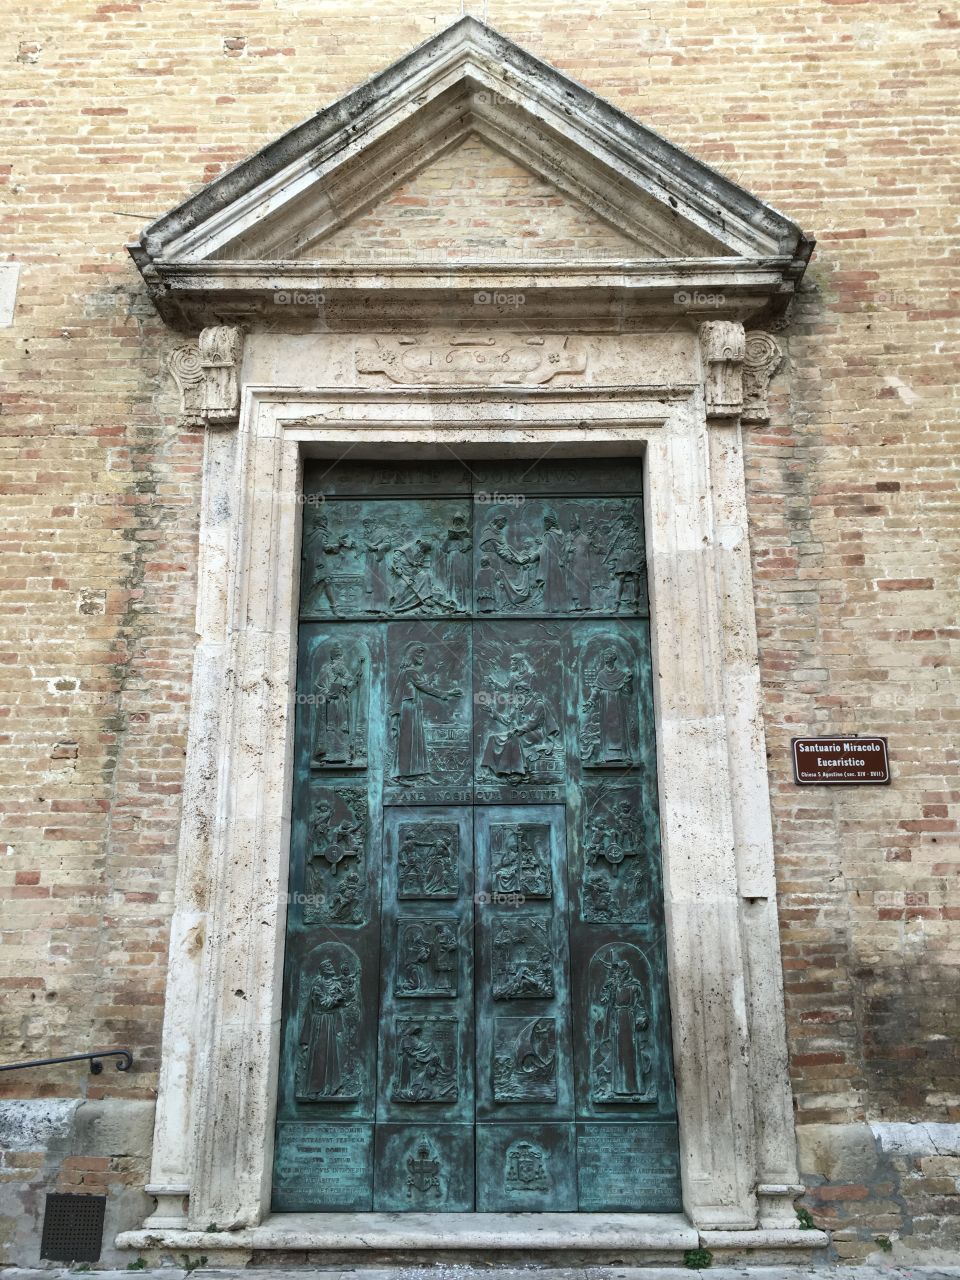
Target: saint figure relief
<point x="608" y="713"/>
<point x="338" y="734"/>
<point x="326" y="1065"/>
<point x="411" y="688"/>
<point x="622" y="1059"/>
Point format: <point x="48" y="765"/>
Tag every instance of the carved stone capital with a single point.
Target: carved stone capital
<point x="207" y="375"/>
<point x="722" y="349"/>
<point x="220" y="350"/>
<point x="762" y="360"/>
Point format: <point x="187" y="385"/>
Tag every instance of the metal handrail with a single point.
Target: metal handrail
<point x="96" y="1066"/>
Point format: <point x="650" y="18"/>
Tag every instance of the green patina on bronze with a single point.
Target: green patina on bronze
<point x="475" y="1002"/>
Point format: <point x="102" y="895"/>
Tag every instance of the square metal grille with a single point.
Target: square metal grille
<point x="73" y="1228"/>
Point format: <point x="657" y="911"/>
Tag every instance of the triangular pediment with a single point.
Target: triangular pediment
<point x="474" y="202"/>
<point x="363" y="180"/>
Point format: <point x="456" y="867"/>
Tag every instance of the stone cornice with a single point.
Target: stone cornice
<point x="612" y="293"/>
<point x="261" y="228"/>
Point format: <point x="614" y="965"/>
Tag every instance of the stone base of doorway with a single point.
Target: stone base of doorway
<point x="375" y="1239"/>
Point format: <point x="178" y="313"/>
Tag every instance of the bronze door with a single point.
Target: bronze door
<point x="475" y="1000"/>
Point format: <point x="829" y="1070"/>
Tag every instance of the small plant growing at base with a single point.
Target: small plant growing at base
<point x="83" y="1266"/>
<point x="885" y="1243"/>
<point x="697" y="1259"/>
<point x="806" y="1221"/>
<point x="139" y="1265"/>
<point x="191" y="1264"/>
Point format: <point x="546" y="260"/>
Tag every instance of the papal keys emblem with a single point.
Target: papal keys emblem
<point x="423" y="1170"/>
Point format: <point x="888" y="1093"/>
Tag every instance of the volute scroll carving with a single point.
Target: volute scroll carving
<point x="763" y="358"/>
<point x="208" y="377"/>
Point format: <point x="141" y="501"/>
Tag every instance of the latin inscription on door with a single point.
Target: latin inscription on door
<point x="475" y="1014"/>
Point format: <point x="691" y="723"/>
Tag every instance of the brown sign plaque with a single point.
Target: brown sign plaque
<point x="840" y="761"/>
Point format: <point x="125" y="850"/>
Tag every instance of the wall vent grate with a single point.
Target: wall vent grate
<point x="72" y="1228"/>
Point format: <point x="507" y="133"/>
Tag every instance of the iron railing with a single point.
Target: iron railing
<point x="96" y="1066"/>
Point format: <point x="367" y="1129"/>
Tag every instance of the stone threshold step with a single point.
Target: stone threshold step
<point x="652" y="1237"/>
<point x="822" y="1271"/>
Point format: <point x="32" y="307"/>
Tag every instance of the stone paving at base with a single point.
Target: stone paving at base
<point x="448" y="1271"/>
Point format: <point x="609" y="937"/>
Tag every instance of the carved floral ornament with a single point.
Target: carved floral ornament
<point x="207" y="375"/>
<point x="737" y="370"/>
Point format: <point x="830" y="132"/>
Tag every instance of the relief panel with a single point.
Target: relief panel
<point x="558" y="556"/>
<point x="337" y="883"/>
<point x="427" y="1053"/>
<point x="524" y="958"/>
<point x="428" y="713"/>
<point x="525" y="1059"/>
<point x="526" y="1168"/>
<point x="427" y="957"/>
<point x="620" y="1041"/>
<point x="427" y="1168"/>
<point x="428" y="860"/>
<point x="387" y="558"/>
<point x="519" y="741"/>
<point x="339" y="694"/>
<point x="616" y="866"/>
<point x="608" y="711"/>
<point x="522" y="860"/>
<point x="620" y="1003"/>
<point x="329" y="1068"/>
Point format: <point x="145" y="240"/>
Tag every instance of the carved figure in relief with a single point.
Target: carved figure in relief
<point x="377" y="543"/>
<point x="525" y="1060"/>
<point x="525" y="1168"/>
<point x="337" y="694"/>
<point x="551" y="557"/>
<point x="420" y="587"/>
<point x="326" y="550"/>
<point x="621" y="1055"/>
<point x="509" y="568"/>
<point x="427" y="963"/>
<point x="457" y="564"/>
<point x="609" y="732"/>
<point x="522" y="959"/>
<point x="582" y="569"/>
<point x="346" y="905"/>
<point x="426" y="1060"/>
<point x="627" y="561"/>
<point x="485" y="586"/>
<point x="598" y="898"/>
<point x="521" y="860"/>
<point x="327" y="1066"/>
<point x="427" y="861"/>
<point x="529" y="734"/>
<point x="411" y="687"/>
<point x="423" y="1171"/>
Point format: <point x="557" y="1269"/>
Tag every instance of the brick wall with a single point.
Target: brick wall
<point x="842" y="115"/>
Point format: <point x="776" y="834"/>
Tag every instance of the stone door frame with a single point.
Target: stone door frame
<point x="212" y="1160"/>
